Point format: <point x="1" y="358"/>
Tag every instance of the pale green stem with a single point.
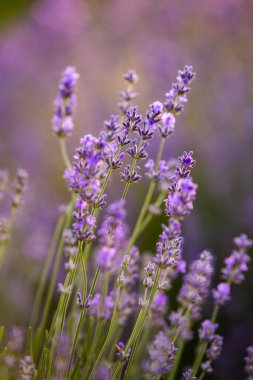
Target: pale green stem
<point x="203" y="345"/>
<point x="140" y="322"/>
<point x="152" y="186"/>
<point x="5" y="245"/>
<point x="108" y="337"/>
<point x="56" y="268"/>
<point x="80" y="323"/>
<point x="45" y="271"/>
<point x="149" y="217"/>
<point x="64" y="153"/>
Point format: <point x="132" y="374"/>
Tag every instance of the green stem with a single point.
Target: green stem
<point x="177" y="360"/>
<point x="5" y="245"/>
<point x="64" y="153"/>
<point x="108" y="337"/>
<point x="203" y="345"/>
<point x="80" y="323"/>
<point x="46" y="268"/>
<point x="56" y="268"/>
<point x="201" y="377"/>
<point x="140" y="322"/>
<point x="149" y="217"/>
<point x="138" y="226"/>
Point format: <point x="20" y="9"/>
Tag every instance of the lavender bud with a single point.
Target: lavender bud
<point x="221" y="295"/>
<point x="249" y="363"/>
<point x="207" y="330"/>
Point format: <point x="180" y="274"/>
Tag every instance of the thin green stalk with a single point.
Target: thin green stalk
<point x="201" y="377"/>
<point x="149" y="217"/>
<point x="64" y="153"/>
<point x="45" y="271"/>
<point x="177" y="360"/>
<point x="152" y="295"/>
<point x="203" y="345"/>
<point x="108" y="337"/>
<point x="140" y="322"/>
<point x="147" y="201"/>
<point x="5" y="245"/>
<point x="80" y="323"/>
<point x="56" y="268"/>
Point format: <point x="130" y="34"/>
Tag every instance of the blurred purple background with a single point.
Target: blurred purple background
<point x="103" y="39"/>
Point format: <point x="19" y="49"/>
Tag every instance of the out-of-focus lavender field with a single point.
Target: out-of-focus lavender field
<point x="156" y="38"/>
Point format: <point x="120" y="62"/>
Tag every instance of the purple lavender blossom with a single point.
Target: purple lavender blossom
<point x="187" y="375"/>
<point x="207" y="330"/>
<point x="19" y="186"/>
<point x="177" y="96"/>
<point x="108" y="306"/>
<point x="158" y="310"/>
<point x="221" y="295"/>
<point x="129" y="175"/>
<point x="161" y="355"/>
<point x="4" y="178"/>
<point x="127" y="307"/>
<point x="112" y="236"/>
<point x="196" y="283"/>
<point x="149" y="271"/>
<point x="249" y="363"/>
<point x="179" y="325"/>
<point x="4" y="231"/>
<point x="237" y="263"/>
<point x="132" y="269"/>
<point x="213" y="352"/>
<point x="27" y="368"/>
<point x="168" y="251"/>
<point x="65" y="103"/>
<point x="121" y="354"/>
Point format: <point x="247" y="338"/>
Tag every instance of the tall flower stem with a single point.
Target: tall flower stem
<point x="80" y="324"/>
<point x="64" y="153"/>
<point x="139" y="324"/>
<point x="46" y="268"/>
<point x="150" y="192"/>
<point x="56" y="268"/>
<point x="108" y="337"/>
<point x="5" y="245"/>
<point x="203" y="346"/>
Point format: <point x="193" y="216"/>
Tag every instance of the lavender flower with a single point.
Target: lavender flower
<point x="221" y="295"/>
<point x="4" y="178"/>
<point x="187" y="375"/>
<point x="158" y="309"/>
<point x="196" y="283"/>
<point x="112" y="236"/>
<point x="4" y="231"/>
<point x="177" y="96"/>
<point x="249" y="363"/>
<point x="150" y="273"/>
<point x="65" y="103"/>
<point x="237" y="263"/>
<point x="108" y="306"/>
<point x="121" y="354"/>
<point x="27" y="368"/>
<point x="19" y="186"/>
<point x="213" y="352"/>
<point x="168" y="250"/>
<point x="161" y="355"/>
<point x="207" y="330"/>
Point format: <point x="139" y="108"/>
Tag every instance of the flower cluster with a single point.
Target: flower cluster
<point x="123" y="321"/>
<point x="65" y="103"/>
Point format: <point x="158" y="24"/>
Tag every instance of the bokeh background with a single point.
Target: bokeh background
<point x="103" y="38"/>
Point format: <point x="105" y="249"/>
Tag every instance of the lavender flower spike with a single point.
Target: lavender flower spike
<point x="161" y="352"/>
<point x="65" y="103"/>
<point x="249" y="363"/>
